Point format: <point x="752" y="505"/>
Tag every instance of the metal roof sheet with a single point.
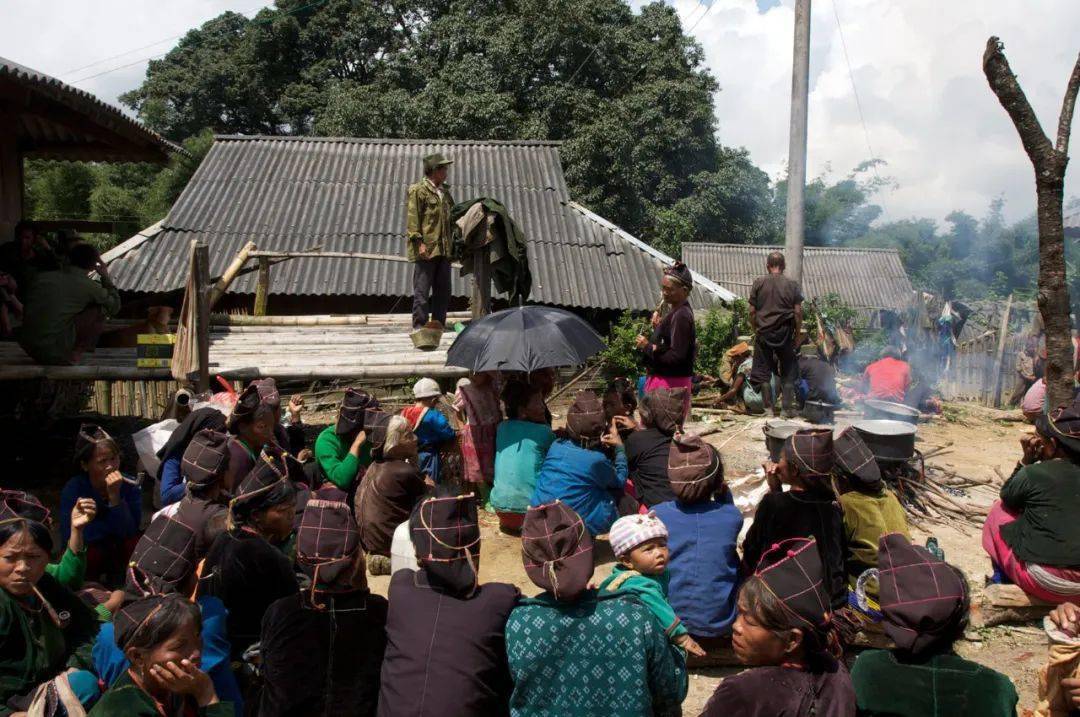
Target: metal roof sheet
<point x="47" y="135"/>
<point x="864" y="278"/>
<point x="290" y="193"/>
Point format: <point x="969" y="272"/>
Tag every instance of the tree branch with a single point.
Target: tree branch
<point x="1067" y="106"/>
<point x="1012" y="98"/>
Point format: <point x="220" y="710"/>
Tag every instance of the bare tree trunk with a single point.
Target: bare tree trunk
<point x="1049" y="161"/>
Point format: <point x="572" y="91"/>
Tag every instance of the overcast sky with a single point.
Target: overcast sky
<point x="916" y="64"/>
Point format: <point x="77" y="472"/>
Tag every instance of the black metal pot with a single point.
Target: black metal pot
<point x="889" y="441"/>
<point x="776" y="432"/>
<point x="889" y="411"/>
<point x="818" y="411"/>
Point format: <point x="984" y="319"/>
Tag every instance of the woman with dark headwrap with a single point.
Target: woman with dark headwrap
<point x="618" y="655"/>
<point x="926" y="603"/>
<point x="808" y="510"/>
<point x="578" y="472"/>
<point x="343" y="450"/>
<point x="170" y="475"/>
<point x="243" y="568"/>
<point x="160" y="636"/>
<point x="392" y="486"/>
<point x="784" y="633"/>
<point x="111" y="535"/>
<point x="1032" y="534"/>
<point x="703" y="525"/>
<point x="336" y="628"/>
<point x="446" y="649"/>
<point x="521" y="442"/>
<point x="647" y="449"/>
<point x="205" y="506"/>
<point x="252" y="427"/>
<point x="44" y="628"/>
<point x="670" y="351"/>
<point x="164" y="564"/>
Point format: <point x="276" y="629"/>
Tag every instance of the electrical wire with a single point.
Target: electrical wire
<point x="854" y="89"/>
<point x="162" y="54"/>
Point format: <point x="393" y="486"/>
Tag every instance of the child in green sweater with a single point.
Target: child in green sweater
<point x="640" y="544"/>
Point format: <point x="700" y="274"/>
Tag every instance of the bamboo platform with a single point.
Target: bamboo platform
<point x="284" y="347"/>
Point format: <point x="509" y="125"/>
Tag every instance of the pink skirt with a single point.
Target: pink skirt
<point x="478" y="452"/>
<point x="1016" y="570"/>
<point x="654" y="382"/>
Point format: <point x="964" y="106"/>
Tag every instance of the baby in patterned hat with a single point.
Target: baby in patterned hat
<point x="640" y="544"/>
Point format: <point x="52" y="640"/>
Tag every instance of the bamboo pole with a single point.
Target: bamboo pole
<point x="222" y="284"/>
<point x="1002" y="335"/>
<point x="323" y="319"/>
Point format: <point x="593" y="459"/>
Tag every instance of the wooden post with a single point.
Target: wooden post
<point x="201" y="328"/>
<point x="794" y="229"/>
<point x="1002" y="336"/>
<point x="262" y="288"/>
<point x="480" y="300"/>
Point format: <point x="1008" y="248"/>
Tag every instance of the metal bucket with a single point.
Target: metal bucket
<point x="818" y="412"/>
<point x="776" y="432"/>
<point x="889" y="411"/>
<point x="889" y="441"/>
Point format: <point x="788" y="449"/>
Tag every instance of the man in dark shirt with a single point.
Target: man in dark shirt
<point x="776" y="316"/>
<point x="819" y="376"/>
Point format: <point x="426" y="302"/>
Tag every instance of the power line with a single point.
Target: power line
<point x="707" y="8"/>
<point x="854" y="89"/>
<point x="162" y="54"/>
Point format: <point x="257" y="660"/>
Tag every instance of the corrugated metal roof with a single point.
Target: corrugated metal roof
<point x="290" y="193"/>
<point x="864" y="278"/>
<point x="44" y="135"/>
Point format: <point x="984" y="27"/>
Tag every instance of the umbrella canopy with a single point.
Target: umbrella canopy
<point x="527" y="338"/>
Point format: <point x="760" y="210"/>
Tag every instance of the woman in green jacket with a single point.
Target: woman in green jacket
<point x="161" y="637"/>
<point x="44" y="627"/>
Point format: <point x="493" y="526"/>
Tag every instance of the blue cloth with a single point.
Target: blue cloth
<point x="584" y="479"/>
<point x="432" y="430"/>
<point x="121" y="522"/>
<point x="110" y="662"/>
<point x="704" y="566"/>
<point x="172" y="483"/>
<point x="85" y="686"/>
<point x="520" y="447"/>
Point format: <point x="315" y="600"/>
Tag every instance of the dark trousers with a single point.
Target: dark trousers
<point x="431" y="277"/>
<point x="775" y="354"/>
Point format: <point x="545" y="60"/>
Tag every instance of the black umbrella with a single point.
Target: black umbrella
<point x="524" y="339"/>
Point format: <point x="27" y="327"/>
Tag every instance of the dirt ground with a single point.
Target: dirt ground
<point x="978" y="442"/>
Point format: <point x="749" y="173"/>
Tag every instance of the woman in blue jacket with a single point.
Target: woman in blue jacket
<point x="703" y="525"/>
<point x="578" y="471"/>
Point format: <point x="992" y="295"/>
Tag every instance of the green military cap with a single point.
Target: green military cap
<point x="435" y="160"/>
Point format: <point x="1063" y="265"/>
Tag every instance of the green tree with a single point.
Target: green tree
<point x="626" y="92"/>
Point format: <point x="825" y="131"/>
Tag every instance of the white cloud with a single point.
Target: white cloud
<point x="918" y="69"/>
<point x="917" y="66"/>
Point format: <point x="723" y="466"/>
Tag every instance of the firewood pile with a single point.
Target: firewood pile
<point x="937" y="494"/>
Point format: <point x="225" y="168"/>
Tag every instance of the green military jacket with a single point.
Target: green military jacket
<point x="428" y="220"/>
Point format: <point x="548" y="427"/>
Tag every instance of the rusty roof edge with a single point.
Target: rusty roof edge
<point x="700" y="280"/>
<point x="41" y="80"/>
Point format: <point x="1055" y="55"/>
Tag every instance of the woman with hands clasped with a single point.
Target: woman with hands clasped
<point x="111" y="534"/>
<point x="1059" y="680"/>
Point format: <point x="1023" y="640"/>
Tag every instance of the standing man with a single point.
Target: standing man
<point x="428" y="239"/>
<point x="776" y="317"/>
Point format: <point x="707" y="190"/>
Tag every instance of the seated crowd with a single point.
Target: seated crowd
<point x="247" y="593"/>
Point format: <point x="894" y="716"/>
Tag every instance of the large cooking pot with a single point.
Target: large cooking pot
<point x="818" y="411"/>
<point x="889" y="441"/>
<point x="776" y="432"/>
<point x="889" y="411"/>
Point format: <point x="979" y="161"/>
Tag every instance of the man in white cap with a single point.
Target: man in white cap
<point x="429" y="425"/>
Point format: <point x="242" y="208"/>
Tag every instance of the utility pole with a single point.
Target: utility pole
<point x="796" y="187"/>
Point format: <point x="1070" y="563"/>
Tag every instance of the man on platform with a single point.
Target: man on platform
<point x="428" y="239"/>
<point x="776" y="316"/>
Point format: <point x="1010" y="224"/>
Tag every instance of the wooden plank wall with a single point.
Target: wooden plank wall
<point x="971" y="375"/>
